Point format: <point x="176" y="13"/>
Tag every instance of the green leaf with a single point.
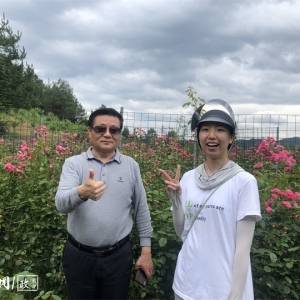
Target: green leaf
<point x="40" y="294"/>
<point x="19" y="262"/>
<point x="163" y="259"/>
<point x="297" y="228"/>
<point x="296" y="295"/>
<point x="293" y="249"/>
<point x="286" y="290"/>
<point x="162" y="242"/>
<point x="288" y="280"/>
<point x="289" y="265"/>
<point x="18" y="297"/>
<point x="273" y="257"/>
<point x="267" y="269"/>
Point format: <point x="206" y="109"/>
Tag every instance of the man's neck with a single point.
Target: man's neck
<point x="104" y="156"/>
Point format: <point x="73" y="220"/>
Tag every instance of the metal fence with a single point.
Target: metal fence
<point x="251" y="128"/>
<point x="285" y="129"/>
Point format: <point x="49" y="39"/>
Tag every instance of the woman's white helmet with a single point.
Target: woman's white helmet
<point x="214" y="115"/>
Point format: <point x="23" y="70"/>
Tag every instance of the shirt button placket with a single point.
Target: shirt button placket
<point x="103" y="174"/>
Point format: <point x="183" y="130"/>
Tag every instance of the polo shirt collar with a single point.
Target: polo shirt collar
<point x="117" y="157"/>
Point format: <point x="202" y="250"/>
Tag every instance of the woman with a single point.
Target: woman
<point x="215" y="207"/>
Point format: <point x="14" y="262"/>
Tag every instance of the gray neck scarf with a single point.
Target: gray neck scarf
<point x="207" y="182"/>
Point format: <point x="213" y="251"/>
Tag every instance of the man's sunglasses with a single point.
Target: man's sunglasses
<point x="103" y="129"/>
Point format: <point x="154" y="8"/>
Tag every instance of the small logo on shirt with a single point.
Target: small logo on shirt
<point x="120" y="179"/>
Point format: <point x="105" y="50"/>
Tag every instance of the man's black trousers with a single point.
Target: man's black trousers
<point x="93" y="277"/>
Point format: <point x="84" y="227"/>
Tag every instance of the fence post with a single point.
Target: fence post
<point x="122" y="113"/>
<point x="277" y="140"/>
<point x="195" y="150"/>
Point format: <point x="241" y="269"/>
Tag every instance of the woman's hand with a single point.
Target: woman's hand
<point x="172" y="184"/>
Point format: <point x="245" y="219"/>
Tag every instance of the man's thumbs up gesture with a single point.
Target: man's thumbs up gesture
<point x="91" y="189"/>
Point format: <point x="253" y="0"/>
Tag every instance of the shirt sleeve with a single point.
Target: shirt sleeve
<point x="141" y="210"/>
<point x="67" y="198"/>
<point x="248" y="200"/>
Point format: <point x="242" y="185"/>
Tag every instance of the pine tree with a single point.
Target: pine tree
<point x="11" y="66"/>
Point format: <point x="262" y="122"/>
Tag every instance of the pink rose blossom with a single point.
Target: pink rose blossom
<point x="20" y="171"/>
<point x="269" y="209"/>
<point x="24" y="147"/>
<point x="276" y="190"/>
<point x="21" y="156"/>
<point x="258" y="166"/>
<point x="286" y="204"/>
<point x="10" y="168"/>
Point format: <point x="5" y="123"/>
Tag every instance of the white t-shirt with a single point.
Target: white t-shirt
<point x="205" y="262"/>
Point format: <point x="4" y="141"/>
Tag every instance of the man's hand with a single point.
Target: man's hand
<point x="145" y="261"/>
<point x="91" y="189"/>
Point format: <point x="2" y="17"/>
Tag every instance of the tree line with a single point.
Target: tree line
<point x="21" y="88"/>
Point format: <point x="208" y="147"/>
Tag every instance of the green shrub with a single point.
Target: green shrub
<point x="276" y="244"/>
<point x="33" y="232"/>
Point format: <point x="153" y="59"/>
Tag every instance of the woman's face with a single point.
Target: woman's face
<point x="214" y="139"/>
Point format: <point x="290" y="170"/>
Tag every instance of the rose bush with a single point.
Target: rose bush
<point x="276" y="244"/>
<point x="33" y="232"/>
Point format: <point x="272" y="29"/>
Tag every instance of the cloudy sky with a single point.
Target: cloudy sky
<point x="143" y="54"/>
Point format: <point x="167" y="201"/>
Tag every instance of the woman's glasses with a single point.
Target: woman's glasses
<point x="102" y="129"/>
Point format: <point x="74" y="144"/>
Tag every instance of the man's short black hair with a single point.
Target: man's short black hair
<point x="105" y="112"/>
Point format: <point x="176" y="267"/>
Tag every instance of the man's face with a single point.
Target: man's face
<point x="106" y="142"/>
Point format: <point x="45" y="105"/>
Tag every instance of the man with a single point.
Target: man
<point x="97" y="190"/>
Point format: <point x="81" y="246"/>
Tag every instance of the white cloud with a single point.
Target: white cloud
<point x="142" y="55"/>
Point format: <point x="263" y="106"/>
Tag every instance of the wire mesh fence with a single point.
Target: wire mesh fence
<point x="252" y="129"/>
